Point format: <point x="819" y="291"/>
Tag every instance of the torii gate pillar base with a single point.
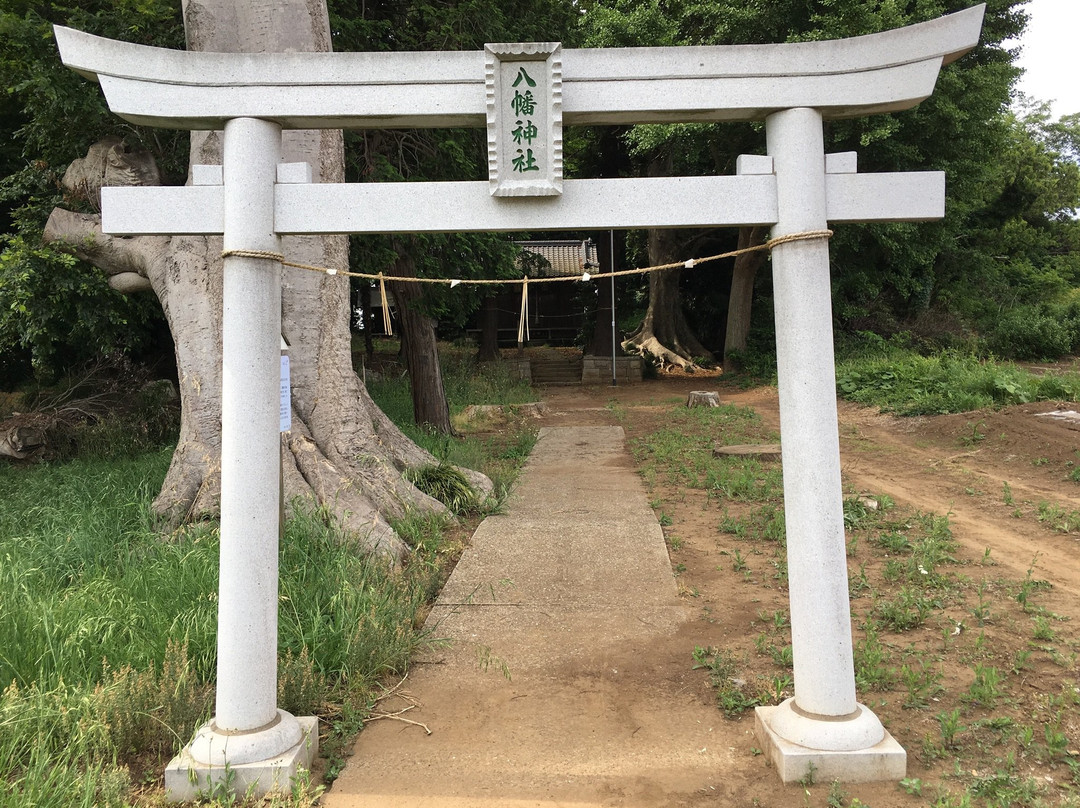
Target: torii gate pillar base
<point x="884" y="760"/>
<point x="188" y="779"/>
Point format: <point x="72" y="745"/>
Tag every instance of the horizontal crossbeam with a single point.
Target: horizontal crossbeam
<point x="882" y="72"/>
<point x="595" y="204"/>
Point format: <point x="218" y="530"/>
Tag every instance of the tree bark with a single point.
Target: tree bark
<point x="343" y="453"/>
<point x="742" y="295"/>
<point x="664" y="333"/>
<point x="430" y="409"/>
<point x="489" y="331"/>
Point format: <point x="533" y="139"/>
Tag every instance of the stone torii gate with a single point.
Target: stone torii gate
<point x="523" y="93"/>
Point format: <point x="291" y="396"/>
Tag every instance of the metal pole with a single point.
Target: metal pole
<point x="614" y="381"/>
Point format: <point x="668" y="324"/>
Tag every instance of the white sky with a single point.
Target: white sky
<point x="1050" y="55"/>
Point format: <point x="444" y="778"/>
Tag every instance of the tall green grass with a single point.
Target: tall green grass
<point x="466" y="382"/>
<point x="107" y="627"/>
<point x="909" y="384"/>
<point x="107" y="630"/>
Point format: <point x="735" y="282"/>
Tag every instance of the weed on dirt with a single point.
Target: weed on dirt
<point x="966" y="665"/>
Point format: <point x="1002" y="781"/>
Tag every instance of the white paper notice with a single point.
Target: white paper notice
<point x="285" y="407"/>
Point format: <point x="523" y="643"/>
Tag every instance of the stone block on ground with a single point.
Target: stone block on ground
<point x="481" y="416"/>
<point x="759" y="451"/>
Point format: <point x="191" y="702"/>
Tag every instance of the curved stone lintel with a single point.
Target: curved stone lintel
<point x="881" y="72"/>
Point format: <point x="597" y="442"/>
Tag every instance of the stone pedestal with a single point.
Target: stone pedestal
<point x="884" y="760"/>
<point x="187" y="778"/>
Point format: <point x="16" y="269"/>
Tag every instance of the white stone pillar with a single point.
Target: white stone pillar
<point x="824" y="714"/>
<point x="250" y="457"/>
<point x="260" y="744"/>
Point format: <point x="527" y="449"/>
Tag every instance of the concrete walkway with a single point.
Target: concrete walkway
<point x="565" y="682"/>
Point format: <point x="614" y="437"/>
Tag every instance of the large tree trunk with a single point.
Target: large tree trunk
<point x="430" y="409"/>
<point x="742" y="294"/>
<point x="664" y="333"/>
<point x="342" y="452"/>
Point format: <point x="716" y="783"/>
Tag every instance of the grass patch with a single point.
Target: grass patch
<point x="971" y="673"/>
<point x="909" y="384"/>
<point x="500" y="455"/>
<point x="679" y="452"/>
<point x="108" y="632"/>
<point x="107" y="628"/>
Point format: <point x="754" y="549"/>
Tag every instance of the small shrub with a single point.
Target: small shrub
<point x="908" y="610"/>
<point x="871" y="662"/>
<point x="150" y="710"/>
<point x="446" y="484"/>
<point x="1031" y="332"/>
<point x="732" y="694"/>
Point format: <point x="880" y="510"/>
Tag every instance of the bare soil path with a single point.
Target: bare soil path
<point x="564" y="683"/>
<point x="604" y="706"/>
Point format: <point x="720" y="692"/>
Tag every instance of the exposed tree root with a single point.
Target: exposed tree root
<point x="343" y="453"/>
<point x="650" y="346"/>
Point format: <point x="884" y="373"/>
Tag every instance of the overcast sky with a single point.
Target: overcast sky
<point x="1050" y="54"/>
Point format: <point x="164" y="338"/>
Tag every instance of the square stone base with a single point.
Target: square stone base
<point x="186" y="779"/>
<point x="885" y="761"/>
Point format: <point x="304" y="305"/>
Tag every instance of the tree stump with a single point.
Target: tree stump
<point x="703" y="398"/>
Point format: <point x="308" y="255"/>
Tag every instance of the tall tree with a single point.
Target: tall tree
<point x="883" y="273"/>
<point x="342" y="451"/>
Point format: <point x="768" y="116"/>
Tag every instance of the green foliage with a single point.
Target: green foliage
<point x="681" y="450"/>
<point x="1008" y="239"/>
<point x="466" y="382"/>
<point x="107" y="632"/>
<point x="1041" y="331"/>
<point x="446" y="484"/>
<point x="872" y="662"/>
<point x="57" y="311"/>
<point x="922" y="680"/>
<point x="53" y="308"/>
<point x="732" y="694"/>
<point x="985" y="690"/>
<point x="906" y="383"/>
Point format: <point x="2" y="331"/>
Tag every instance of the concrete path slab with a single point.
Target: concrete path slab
<point x="559" y="686"/>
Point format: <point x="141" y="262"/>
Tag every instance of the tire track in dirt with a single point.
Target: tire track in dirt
<point x="919" y="462"/>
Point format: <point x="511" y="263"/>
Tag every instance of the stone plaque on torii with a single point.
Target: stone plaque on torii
<point x="252" y="200"/>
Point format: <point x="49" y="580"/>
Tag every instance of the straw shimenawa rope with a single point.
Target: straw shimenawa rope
<point x="809" y="235"/>
<point x="523" y="324"/>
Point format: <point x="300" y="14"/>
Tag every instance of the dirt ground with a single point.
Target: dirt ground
<point x="1006" y="480"/>
<point x="992" y="473"/>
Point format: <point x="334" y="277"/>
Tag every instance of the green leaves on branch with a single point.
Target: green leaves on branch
<point x="56" y="311"/>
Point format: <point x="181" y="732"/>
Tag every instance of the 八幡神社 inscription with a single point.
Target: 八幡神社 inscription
<point x="524" y="118"/>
